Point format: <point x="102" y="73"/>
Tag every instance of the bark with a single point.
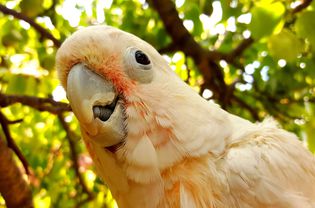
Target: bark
<point x="304" y="4"/>
<point x="13" y="188"/>
<point x="41" y="104"/>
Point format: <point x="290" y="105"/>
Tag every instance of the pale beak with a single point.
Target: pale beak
<point x="97" y="106"/>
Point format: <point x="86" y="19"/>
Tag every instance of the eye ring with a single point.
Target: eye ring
<point x="138" y="65"/>
<point x="142" y="58"/>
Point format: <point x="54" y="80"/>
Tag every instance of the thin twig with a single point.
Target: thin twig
<point x="53" y="153"/>
<point x="44" y="33"/>
<point x="271" y="104"/>
<point x="252" y="111"/>
<point x="74" y="156"/>
<point x="11" y="143"/>
<point x="238" y="51"/>
<point x="302" y="6"/>
<point x="187" y="80"/>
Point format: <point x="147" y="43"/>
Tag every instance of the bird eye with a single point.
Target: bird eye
<point x="141" y="58"/>
<point x="138" y="65"/>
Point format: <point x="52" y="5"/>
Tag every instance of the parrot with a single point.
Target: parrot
<point x="155" y="142"/>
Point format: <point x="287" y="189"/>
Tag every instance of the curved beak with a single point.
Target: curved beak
<point x="97" y="106"/>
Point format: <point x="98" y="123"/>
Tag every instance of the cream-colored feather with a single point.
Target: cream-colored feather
<point x="180" y="150"/>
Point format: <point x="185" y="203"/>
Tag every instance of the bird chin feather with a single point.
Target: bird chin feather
<point x="97" y="106"/>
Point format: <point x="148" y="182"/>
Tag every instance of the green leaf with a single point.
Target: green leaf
<point x="266" y="16"/>
<point x="31" y="8"/>
<point x="305" y="26"/>
<point x="22" y="84"/>
<point x="278" y="34"/>
<point x="309" y="129"/>
<point x="285" y="45"/>
<point x="193" y="13"/>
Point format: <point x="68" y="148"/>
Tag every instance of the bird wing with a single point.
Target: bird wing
<point x="268" y="167"/>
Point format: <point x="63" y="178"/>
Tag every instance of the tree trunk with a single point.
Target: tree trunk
<point x="13" y="188"/>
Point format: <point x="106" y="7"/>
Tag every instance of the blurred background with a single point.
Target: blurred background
<point x="253" y="57"/>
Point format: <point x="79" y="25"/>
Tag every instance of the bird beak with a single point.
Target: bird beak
<point x="97" y="106"/>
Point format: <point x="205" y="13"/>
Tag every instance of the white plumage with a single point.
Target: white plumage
<point x="178" y="150"/>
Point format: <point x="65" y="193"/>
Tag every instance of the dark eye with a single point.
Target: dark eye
<point x="141" y="58"/>
<point x="138" y="65"/>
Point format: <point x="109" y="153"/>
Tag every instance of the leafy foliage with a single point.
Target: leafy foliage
<point x="274" y="75"/>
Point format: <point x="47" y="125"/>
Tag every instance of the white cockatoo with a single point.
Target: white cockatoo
<point x="156" y="143"/>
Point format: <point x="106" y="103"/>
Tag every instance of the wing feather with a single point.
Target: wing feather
<point x="269" y="167"/>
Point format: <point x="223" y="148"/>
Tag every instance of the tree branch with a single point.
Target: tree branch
<point x="74" y="156"/>
<point x="40" y="104"/>
<point x="205" y="60"/>
<point x="184" y="41"/>
<point x="43" y="32"/>
<point x="13" y="188"/>
<point x="11" y="143"/>
<point x="238" y="51"/>
<point x="179" y="34"/>
<point x="303" y="5"/>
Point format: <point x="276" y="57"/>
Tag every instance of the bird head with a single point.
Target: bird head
<point x="129" y="102"/>
<point x="102" y="69"/>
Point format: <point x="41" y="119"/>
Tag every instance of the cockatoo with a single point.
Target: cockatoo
<point x="156" y="143"/>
